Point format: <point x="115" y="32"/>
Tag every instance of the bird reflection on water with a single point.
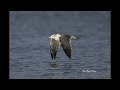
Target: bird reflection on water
<point x="64" y="66"/>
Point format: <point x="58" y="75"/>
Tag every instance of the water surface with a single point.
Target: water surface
<point x="29" y="45"/>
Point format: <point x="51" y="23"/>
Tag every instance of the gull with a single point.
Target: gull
<point x="64" y="40"/>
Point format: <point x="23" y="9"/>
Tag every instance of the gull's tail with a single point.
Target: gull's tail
<point x="74" y="37"/>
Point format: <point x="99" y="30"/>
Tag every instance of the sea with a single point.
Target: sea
<point x="29" y="46"/>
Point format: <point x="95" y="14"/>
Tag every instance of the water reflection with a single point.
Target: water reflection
<point x="64" y="66"/>
<point x="54" y="65"/>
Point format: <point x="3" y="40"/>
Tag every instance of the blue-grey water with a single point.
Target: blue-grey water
<point x="29" y="45"/>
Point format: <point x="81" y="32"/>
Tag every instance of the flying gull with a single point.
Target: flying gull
<point x="57" y="40"/>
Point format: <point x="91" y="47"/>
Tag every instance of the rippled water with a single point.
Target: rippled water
<point x="29" y="45"/>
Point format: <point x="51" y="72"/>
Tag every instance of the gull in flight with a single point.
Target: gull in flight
<point x="57" y="40"/>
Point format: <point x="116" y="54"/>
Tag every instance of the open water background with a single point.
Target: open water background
<point x="29" y="45"/>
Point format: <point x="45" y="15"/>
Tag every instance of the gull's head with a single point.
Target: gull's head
<point x="52" y="36"/>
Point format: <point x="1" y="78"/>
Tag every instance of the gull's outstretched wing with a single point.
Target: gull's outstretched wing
<point x="54" y="48"/>
<point x="65" y="43"/>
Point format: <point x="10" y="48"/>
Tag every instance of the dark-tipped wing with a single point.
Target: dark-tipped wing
<point x="65" y="43"/>
<point x="53" y="48"/>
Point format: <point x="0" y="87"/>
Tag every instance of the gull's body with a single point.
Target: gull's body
<point x="57" y="40"/>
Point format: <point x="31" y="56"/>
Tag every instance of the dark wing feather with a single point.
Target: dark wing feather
<point x="66" y="45"/>
<point x="53" y="48"/>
